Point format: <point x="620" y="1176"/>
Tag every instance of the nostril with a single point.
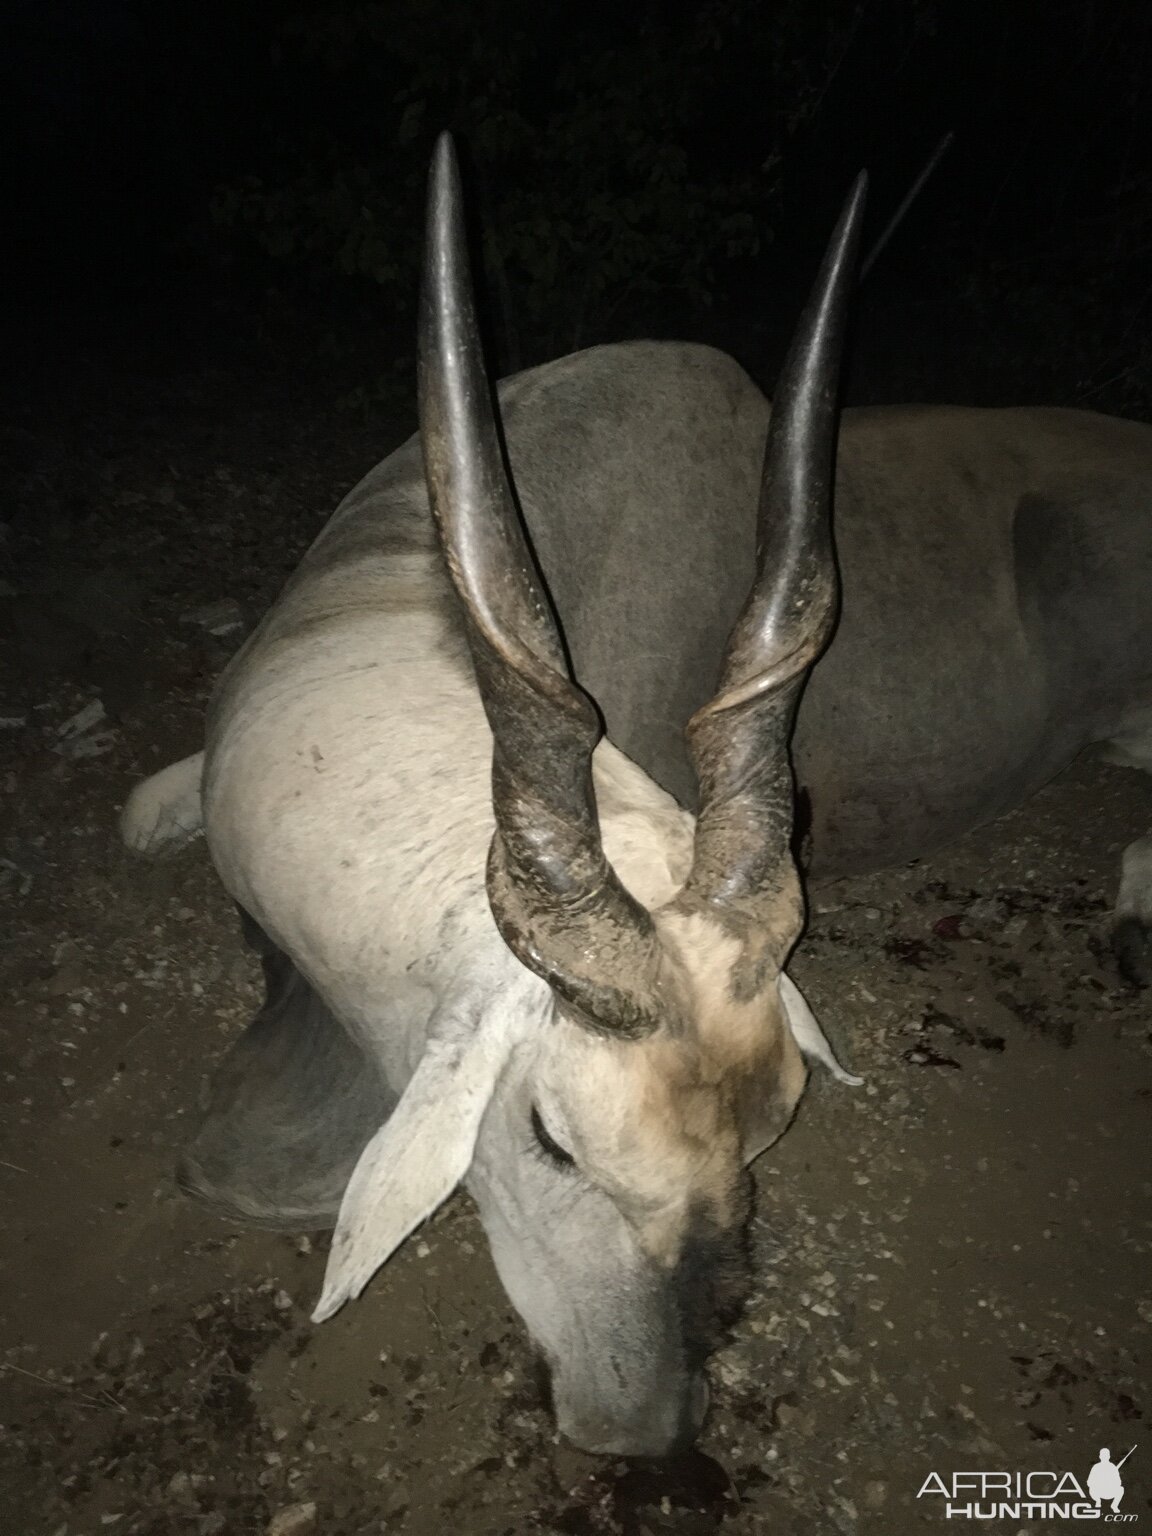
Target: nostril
<point x="694" y="1407"/>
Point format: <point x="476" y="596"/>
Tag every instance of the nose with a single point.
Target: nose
<point x="660" y="1427"/>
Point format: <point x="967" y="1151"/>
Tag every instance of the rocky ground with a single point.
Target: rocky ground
<point x="953" y="1262"/>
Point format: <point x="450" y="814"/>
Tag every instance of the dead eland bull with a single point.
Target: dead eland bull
<point x="497" y="950"/>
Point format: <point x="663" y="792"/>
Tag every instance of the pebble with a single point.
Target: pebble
<point x="84" y="719"/>
<point x="293" y="1520"/>
<point x="220" y="618"/>
<point x="987" y="912"/>
<point x="875" y="1494"/>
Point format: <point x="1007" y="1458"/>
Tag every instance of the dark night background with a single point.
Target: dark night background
<point x="210" y="185"/>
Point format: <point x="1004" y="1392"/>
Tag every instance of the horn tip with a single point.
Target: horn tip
<point x="445" y="176"/>
<point x="858" y="195"/>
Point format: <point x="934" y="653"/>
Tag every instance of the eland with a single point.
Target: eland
<point x="505" y="787"/>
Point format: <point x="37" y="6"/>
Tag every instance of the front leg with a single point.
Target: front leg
<point x="291" y="1108"/>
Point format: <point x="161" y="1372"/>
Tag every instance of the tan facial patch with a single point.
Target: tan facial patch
<point x="665" y="1124"/>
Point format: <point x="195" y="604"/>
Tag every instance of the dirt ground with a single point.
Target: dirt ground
<point x="952" y="1262"/>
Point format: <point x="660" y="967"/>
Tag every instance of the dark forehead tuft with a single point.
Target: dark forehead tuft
<point x="711" y="1282"/>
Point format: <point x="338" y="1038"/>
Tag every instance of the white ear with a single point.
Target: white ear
<point x="807" y="1033"/>
<point x="415" y="1160"/>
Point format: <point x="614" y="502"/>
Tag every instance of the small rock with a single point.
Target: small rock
<point x="293" y="1520"/>
<point x="83" y="720"/>
<point x="80" y="747"/>
<point x="220" y="618"/>
<point x="282" y="1301"/>
<point x="107" y="1355"/>
<point x="77" y="738"/>
<point x="988" y="912"/>
<point x="875" y="1494"/>
<point x="950" y="927"/>
<point x="732" y="1371"/>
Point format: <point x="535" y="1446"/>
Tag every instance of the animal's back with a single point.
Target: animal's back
<point x="995" y="567"/>
<point x="980" y="552"/>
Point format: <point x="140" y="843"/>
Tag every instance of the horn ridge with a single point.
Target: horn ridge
<point x="742" y="862"/>
<point x="557" y="901"/>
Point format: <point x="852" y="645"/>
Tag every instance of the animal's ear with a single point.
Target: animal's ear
<point x="807" y="1033"/>
<point x="414" y="1161"/>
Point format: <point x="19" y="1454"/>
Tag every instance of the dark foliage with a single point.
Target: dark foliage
<point x="644" y="168"/>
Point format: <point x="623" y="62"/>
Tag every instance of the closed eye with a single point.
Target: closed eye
<point x="552" y="1149"/>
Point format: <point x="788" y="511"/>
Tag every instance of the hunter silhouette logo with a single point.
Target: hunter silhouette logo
<point x="1104" y="1484"/>
<point x="1034" y="1495"/>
